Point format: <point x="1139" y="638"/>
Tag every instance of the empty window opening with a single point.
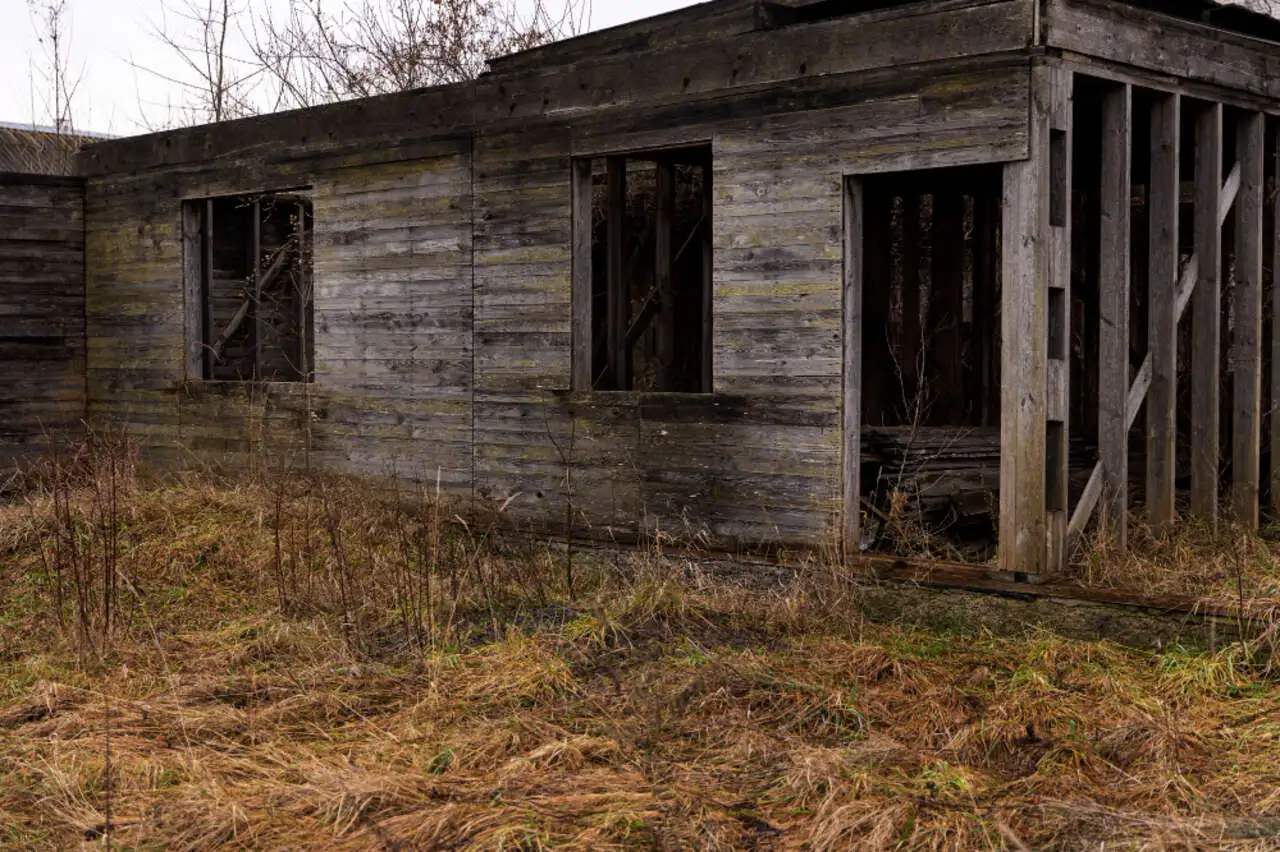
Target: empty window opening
<point x="651" y="272"/>
<point x="255" y="287"/>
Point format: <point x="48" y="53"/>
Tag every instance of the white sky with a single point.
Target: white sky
<point x="111" y="40"/>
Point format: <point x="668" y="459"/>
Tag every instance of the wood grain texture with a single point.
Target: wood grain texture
<point x="1162" y="202"/>
<point x="1246" y="343"/>
<point x="851" y="443"/>
<point x="42" y="343"/>
<point x="1206" y="343"/>
<point x="1025" y="262"/>
<point x="1113" y="284"/>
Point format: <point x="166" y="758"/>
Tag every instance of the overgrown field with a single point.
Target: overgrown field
<point x="299" y="664"/>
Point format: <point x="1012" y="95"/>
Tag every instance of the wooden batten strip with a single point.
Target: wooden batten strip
<point x="1206" y="308"/>
<point x="1246" y="347"/>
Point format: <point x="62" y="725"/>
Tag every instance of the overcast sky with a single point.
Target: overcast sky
<point x="111" y="40"/>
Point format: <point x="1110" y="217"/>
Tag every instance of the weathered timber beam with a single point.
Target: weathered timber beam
<point x="1275" y="344"/>
<point x="1024" y="351"/>
<point x="1058" y="317"/>
<point x="583" y="309"/>
<point x="1246" y="346"/>
<point x="1162" y="275"/>
<point x="851" y="445"/>
<point x="1206" y="316"/>
<point x="1113" y="320"/>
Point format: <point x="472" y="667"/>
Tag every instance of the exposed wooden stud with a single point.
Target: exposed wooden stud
<point x="1162" y="270"/>
<point x="1113" y="284"/>
<point x="618" y="318"/>
<point x="1025" y="273"/>
<point x="1275" y="344"/>
<point x="582" y="274"/>
<point x="1059" y="83"/>
<point x="206" y="289"/>
<point x="1246" y="348"/>
<point x="255" y="288"/>
<point x="708" y="283"/>
<point x="193" y="289"/>
<point x="1206" y="341"/>
<point x="664" y="209"/>
<point x="852" y="359"/>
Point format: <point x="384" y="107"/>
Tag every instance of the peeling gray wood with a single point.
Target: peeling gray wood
<point x="582" y="286"/>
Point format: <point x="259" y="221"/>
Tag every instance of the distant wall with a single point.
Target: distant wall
<point x="42" y="342"/>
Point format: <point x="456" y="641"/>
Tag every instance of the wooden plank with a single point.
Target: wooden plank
<point x="910" y="362"/>
<point x="255" y="285"/>
<point x="206" y="292"/>
<point x="664" y="223"/>
<point x="1113" y="283"/>
<point x="1275" y="346"/>
<point x="1162" y="204"/>
<point x="854" y="264"/>
<point x="1246" y="348"/>
<point x="708" y="282"/>
<point x="192" y="286"/>
<point x="1024" y="348"/>
<point x="1059" y="83"/>
<point x="583" y="309"/>
<point x="1206" y="316"/>
<point x="618" y="298"/>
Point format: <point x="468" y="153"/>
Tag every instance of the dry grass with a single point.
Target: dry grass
<point x="373" y="677"/>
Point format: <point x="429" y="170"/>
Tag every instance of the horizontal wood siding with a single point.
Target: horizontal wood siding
<point x="41" y="314"/>
<point x="443" y="236"/>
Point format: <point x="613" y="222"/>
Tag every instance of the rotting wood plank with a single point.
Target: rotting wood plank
<point x="708" y="282"/>
<point x="192" y="289"/>
<point x="851" y="444"/>
<point x="1206" y="315"/>
<point x="1162" y="204"/>
<point x="1113" y="284"/>
<point x="1246" y="346"/>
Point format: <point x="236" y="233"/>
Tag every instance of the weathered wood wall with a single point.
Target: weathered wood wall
<point x="42" y="353"/>
<point x="443" y="265"/>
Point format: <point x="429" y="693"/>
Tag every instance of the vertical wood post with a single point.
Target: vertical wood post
<point x="708" y="283"/>
<point x="256" y="283"/>
<point x="852" y="401"/>
<point x="1058" y="83"/>
<point x="665" y="190"/>
<point x="1275" y="344"/>
<point x="206" y="287"/>
<point x="583" y="309"/>
<point x="1206" y="344"/>
<point x="193" y="289"/>
<point x="1162" y="281"/>
<point x="619" y="298"/>
<point x="1113" y="285"/>
<point x="1025" y="265"/>
<point x="946" y="304"/>
<point x="1246" y="350"/>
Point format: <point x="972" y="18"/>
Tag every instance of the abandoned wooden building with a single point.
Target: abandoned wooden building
<point x="767" y="271"/>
